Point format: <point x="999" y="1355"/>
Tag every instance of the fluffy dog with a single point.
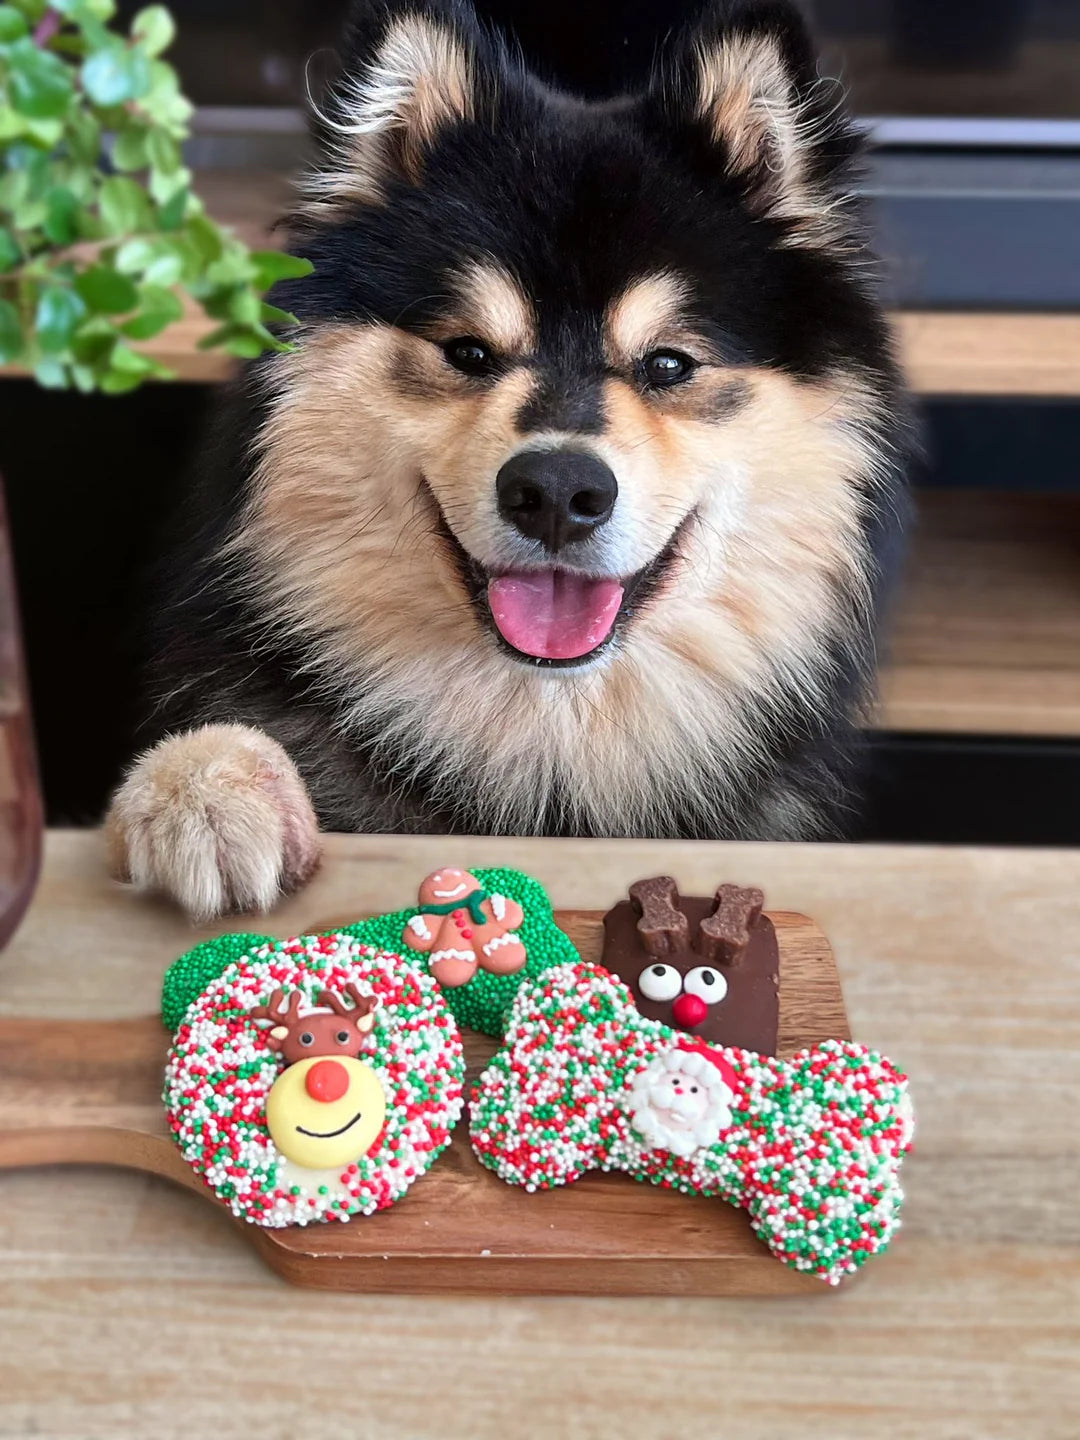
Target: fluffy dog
<point x="572" y="508"/>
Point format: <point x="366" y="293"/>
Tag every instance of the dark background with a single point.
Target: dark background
<point x="91" y="482"/>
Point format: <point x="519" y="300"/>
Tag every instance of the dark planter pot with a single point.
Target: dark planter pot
<point x="21" y="822"/>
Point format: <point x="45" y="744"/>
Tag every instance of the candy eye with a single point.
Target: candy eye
<point x="307" y="1038"/>
<point x="706" y="983"/>
<point x="660" y="982"/>
<point x="469" y="355"/>
<point x="342" y="1037"/>
<point x="666" y="367"/>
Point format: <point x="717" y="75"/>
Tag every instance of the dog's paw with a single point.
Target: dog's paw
<point x="217" y="818"/>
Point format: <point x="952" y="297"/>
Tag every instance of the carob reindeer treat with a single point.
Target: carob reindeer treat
<point x="710" y="967"/>
<point x="515" y="927"/>
<point x="315" y="1079"/>
<point x="811" y="1147"/>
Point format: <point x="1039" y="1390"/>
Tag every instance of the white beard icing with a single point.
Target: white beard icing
<point x="682" y="1123"/>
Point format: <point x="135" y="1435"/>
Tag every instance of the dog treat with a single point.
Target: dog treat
<point x="482" y="1004"/>
<point x="462" y="929"/>
<point x="810" y="1147"/>
<point x="315" y="1079"/>
<point x="710" y="967"/>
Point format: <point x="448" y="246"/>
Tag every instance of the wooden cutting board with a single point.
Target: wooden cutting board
<point x="88" y="1092"/>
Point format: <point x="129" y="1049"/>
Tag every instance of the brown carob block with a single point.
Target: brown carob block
<point x="709" y="965"/>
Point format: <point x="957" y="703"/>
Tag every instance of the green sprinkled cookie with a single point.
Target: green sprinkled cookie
<point x="482" y="932"/>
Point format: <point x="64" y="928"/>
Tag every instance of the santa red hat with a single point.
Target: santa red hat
<point x="713" y="1056"/>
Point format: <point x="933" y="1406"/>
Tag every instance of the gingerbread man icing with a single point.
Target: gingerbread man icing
<point x="461" y="927"/>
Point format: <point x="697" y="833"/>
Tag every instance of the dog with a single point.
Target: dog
<point x="572" y="508"/>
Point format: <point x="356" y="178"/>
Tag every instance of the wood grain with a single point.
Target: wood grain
<point x="986" y="634"/>
<point x="127" y="1307"/>
<point x="88" y="1092"/>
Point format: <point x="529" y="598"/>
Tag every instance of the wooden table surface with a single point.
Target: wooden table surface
<point x="130" y="1308"/>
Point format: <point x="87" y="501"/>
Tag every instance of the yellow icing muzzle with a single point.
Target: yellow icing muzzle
<point x="319" y="1133"/>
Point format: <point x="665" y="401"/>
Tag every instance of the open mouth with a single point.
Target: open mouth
<point x="328" y="1134"/>
<point x="555" y="617"/>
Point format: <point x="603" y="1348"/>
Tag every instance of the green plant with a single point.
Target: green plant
<point x="99" y="226"/>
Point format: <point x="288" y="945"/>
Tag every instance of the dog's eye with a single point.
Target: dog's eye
<point x="470" y="356"/>
<point x="666" y="367"/>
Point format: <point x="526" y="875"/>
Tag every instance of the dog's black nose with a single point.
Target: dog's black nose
<point x="556" y="496"/>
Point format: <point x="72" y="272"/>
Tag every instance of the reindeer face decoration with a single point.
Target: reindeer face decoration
<point x="707" y="966"/>
<point x="327" y="1107"/>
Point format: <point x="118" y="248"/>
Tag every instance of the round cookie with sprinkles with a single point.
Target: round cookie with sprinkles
<point x="811" y="1147"/>
<point x="315" y="1079"/>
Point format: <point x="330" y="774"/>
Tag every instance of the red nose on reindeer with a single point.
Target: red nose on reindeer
<point x="327" y="1081"/>
<point x="688" y="1011"/>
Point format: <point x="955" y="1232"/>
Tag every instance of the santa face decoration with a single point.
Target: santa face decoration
<point x="706" y="966"/>
<point x="810" y="1147"/>
<point x="682" y="1102"/>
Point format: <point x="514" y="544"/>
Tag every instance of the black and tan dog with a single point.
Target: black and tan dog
<point x="571" y="510"/>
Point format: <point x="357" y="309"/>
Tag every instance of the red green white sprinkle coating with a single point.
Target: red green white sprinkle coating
<point x="220" y="1070"/>
<point x="811" y="1147"/>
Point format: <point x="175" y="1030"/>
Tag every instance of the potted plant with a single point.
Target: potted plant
<point x="103" y="244"/>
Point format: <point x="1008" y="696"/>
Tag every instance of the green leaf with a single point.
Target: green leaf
<point x="59" y="311"/>
<point x="206" y="237"/>
<point x="116" y="74"/>
<point x="171" y="214"/>
<point x="244" y="307"/>
<point x="157" y="309"/>
<point x="274" y="265"/>
<point x="124" y="206"/>
<point x="10" y="254"/>
<point x="50" y="374"/>
<point x="11" y="124"/>
<point x="12" y="24"/>
<point x="164" y="186"/>
<point x="163" y="151"/>
<point x="14" y="187"/>
<point x="39" y="82"/>
<point x="107" y="291"/>
<point x="271" y="315"/>
<point x="61" y="219"/>
<point x="165" y="269"/>
<point x="10" y="333"/>
<point x="154" y="26"/>
<point x="134" y="256"/>
<point x="130" y="150"/>
<point x="94" y="340"/>
<point x="84" y="137"/>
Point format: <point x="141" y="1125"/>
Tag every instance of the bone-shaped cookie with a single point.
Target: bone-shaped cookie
<point x="810" y="1147"/>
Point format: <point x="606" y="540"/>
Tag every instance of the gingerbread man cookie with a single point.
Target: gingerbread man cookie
<point x="462" y="929"/>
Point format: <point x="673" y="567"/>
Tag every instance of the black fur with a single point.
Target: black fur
<point x="576" y="201"/>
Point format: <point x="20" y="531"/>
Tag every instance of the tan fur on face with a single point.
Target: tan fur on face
<point x="493" y="308"/>
<point x="647" y="314"/>
<point x="341" y="546"/>
<point x="387" y="117"/>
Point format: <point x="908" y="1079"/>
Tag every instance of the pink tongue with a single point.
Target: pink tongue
<point x="552" y="614"/>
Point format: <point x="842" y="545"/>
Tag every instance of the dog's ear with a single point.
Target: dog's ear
<point x="742" y="85"/>
<point x="407" y="71"/>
